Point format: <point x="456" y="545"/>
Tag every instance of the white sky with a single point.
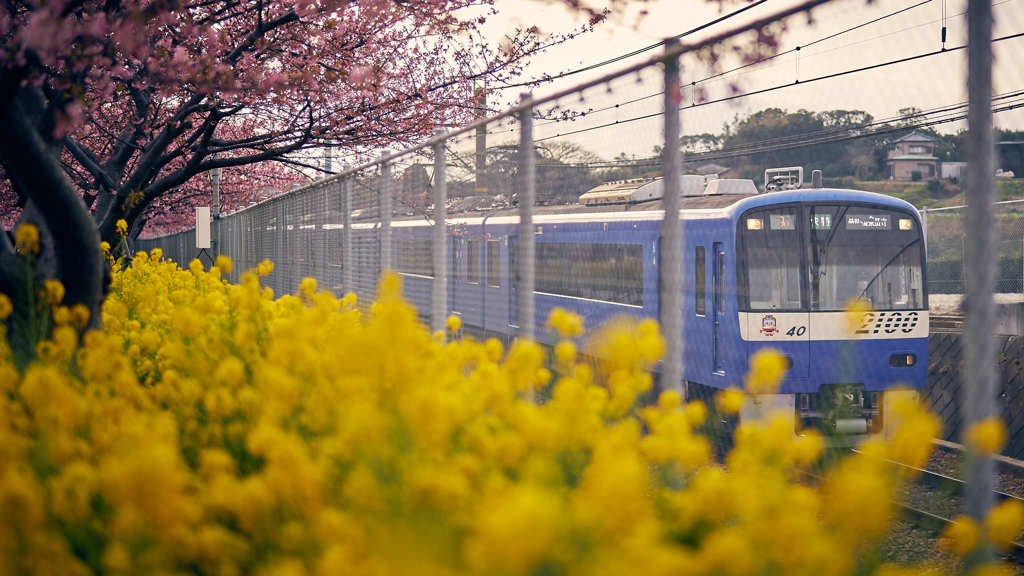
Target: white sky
<point x="927" y="83"/>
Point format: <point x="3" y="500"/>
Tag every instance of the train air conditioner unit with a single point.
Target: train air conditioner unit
<point x="640" y="190"/>
<point x="730" y="186"/>
<point x="789" y="178"/>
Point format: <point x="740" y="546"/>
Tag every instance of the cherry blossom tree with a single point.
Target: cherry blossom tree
<point x="112" y="109"/>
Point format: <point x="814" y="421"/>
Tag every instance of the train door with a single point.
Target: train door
<point x="513" y="282"/>
<point x="717" y="303"/>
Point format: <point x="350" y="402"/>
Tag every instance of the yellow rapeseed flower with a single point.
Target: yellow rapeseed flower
<point x="987" y="436"/>
<point x="53" y="292"/>
<point x="567" y="324"/>
<point x="856" y="310"/>
<point x="1004" y="523"/>
<point x="5" y="307"/>
<point x="26" y="237"/>
<point x="453" y="324"/>
<point x="767" y="367"/>
<point x="265" y="267"/>
<point x="105" y="247"/>
<point x="122" y="227"/>
<point x="730" y="401"/>
<point x="224" y="263"/>
<point x="962" y="535"/>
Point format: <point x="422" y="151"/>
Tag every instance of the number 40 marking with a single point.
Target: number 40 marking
<point x="796" y="331"/>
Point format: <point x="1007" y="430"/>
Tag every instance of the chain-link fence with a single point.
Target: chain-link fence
<point x="946" y="238"/>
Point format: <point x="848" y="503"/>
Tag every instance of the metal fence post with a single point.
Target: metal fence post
<point x="347" y="265"/>
<point x="438" y="313"/>
<point x="671" y="266"/>
<point x="527" y="196"/>
<point x="979" y="386"/>
<point x="385" y="213"/>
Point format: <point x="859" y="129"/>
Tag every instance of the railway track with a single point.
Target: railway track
<point x="935" y="498"/>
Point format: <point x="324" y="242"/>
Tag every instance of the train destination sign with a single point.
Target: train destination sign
<point x="867" y="222"/>
<point x="782" y="222"/>
<point x="821" y="221"/>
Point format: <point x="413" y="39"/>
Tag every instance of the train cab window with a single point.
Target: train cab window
<point x="870" y="253"/>
<point x="494" y="263"/>
<point x="473" y="261"/>
<point x="700" y="279"/>
<point x="770" y="251"/>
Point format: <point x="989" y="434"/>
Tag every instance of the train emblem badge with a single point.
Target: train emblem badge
<point x="768" y="325"/>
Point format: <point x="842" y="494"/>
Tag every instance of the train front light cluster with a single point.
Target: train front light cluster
<point x="906" y="224"/>
<point x="755" y="224"/>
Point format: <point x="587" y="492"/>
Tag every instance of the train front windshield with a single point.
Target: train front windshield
<point x="821" y="257"/>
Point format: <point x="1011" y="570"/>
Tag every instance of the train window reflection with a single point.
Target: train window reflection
<point x="473" y="261"/>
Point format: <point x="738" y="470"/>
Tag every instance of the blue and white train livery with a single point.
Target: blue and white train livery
<point x="776" y="269"/>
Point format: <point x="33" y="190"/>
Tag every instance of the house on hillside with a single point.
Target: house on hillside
<point x="914" y="152"/>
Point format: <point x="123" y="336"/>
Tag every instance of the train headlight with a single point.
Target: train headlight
<point x="902" y="360"/>
<point x="755" y="224"/>
<point x="906" y="224"/>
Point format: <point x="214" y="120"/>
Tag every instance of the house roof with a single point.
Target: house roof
<point x="916" y="136"/>
<point x="925" y="157"/>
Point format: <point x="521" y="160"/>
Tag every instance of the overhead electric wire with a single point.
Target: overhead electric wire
<point x="755" y="63"/>
<point x="634" y="52"/>
<point x="781" y="86"/>
<point x="1013" y="101"/>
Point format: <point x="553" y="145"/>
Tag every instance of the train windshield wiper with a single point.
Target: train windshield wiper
<point x="886" y="266"/>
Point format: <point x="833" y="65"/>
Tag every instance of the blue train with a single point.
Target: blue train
<point x="774" y="269"/>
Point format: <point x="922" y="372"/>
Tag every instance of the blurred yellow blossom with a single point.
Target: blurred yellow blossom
<point x="567" y="324"/>
<point x="730" y="401"/>
<point x="265" y="267"/>
<point x="122" y="227"/>
<point x="1004" y="523"/>
<point x="26" y="238"/>
<point x="987" y="436"/>
<point x="962" y="535"/>
<point x="856" y="310"/>
<point x="453" y="324"/>
<point x="767" y="367"/>
<point x="5" y="307"/>
<point x="53" y="292"/>
<point x="224" y="263"/>
<point x="210" y="428"/>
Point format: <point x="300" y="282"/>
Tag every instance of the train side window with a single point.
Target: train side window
<point x="494" y="263"/>
<point x="473" y="261"/>
<point x="700" y="279"/>
<point x="415" y="256"/>
<point x="607" y="272"/>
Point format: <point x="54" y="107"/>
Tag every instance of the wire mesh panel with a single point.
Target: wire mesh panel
<point x="946" y="238"/>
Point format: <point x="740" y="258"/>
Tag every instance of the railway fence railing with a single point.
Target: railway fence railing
<point x="946" y="237"/>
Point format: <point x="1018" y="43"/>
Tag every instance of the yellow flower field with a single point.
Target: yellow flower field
<point x="211" y="428"/>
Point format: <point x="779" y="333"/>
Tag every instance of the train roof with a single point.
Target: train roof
<point x="723" y="205"/>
